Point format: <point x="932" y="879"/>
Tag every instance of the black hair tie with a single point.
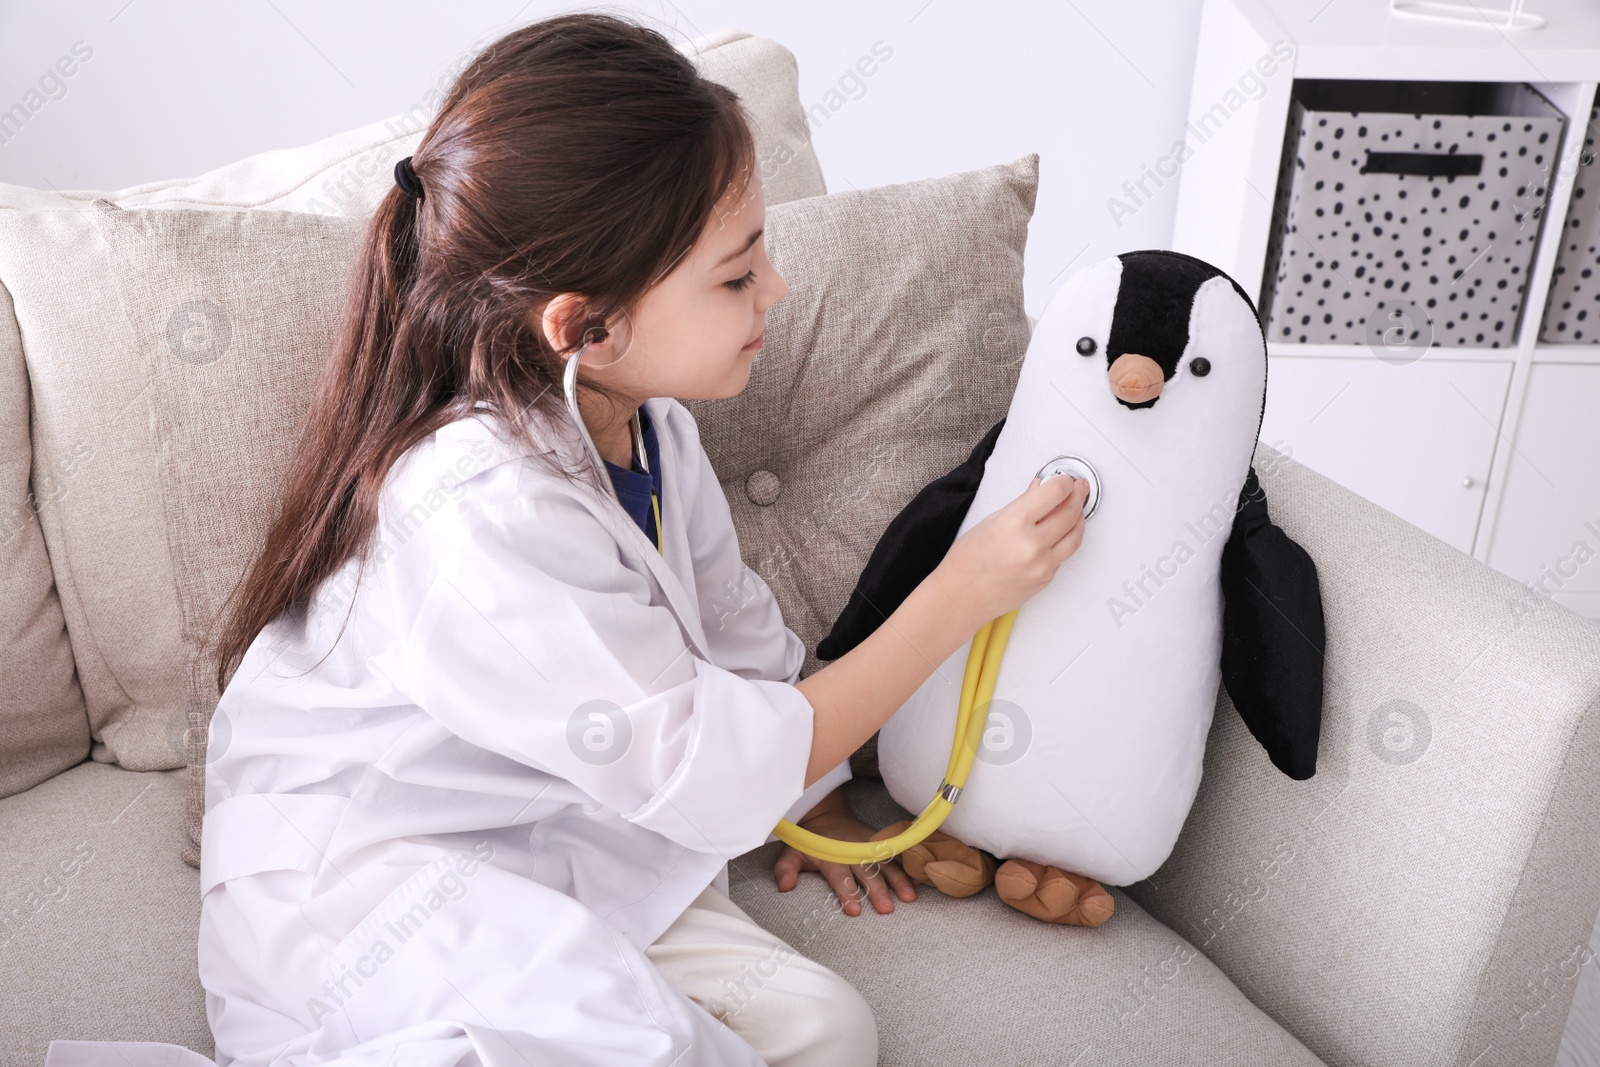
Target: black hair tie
<point x="407" y="179"/>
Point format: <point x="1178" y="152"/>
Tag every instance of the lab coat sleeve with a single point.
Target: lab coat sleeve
<point x="741" y="618"/>
<point x="815" y="792"/>
<point x="535" y="641"/>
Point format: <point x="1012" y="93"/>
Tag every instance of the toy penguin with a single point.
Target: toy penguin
<point x="1145" y="374"/>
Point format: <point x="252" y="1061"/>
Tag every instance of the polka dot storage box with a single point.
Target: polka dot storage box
<point x="1573" y="313"/>
<point x="1407" y="211"/>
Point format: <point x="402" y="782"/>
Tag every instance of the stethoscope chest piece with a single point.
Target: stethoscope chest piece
<point x="1078" y="467"/>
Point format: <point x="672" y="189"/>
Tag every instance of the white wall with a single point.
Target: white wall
<point x="170" y="88"/>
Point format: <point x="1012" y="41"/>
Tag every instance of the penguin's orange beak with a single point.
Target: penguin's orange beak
<point x="1135" y="378"/>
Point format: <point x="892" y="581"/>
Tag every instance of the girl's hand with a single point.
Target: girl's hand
<point x="1014" y="552"/>
<point x="832" y="818"/>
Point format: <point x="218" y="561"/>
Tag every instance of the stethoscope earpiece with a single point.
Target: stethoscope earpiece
<point x="1077" y="467"/>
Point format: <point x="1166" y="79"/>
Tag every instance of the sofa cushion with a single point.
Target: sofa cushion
<point x="44" y="727"/>
<point x="116" y="565"/>
<point x="767" y="79"/>
<point x="232" y="315"/>
<point x="98" y="941"/>
<point x="896" y="348"/>
<point x="182" y="385"/>
<point x="976" y="981"/>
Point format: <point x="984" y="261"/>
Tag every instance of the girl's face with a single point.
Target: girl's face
<point x="695" y="334"/>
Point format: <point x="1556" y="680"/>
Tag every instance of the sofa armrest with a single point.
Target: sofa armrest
<point x="1427" y="896"/>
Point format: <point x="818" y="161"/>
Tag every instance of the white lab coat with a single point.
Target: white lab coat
<point x="535" y="743"/>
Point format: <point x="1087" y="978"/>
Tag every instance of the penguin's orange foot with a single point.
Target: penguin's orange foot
<point x="950" y="866"/>
<point x="1053" y="895"/>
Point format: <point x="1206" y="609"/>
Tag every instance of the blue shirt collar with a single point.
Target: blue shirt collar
<point x="633" y="485"/>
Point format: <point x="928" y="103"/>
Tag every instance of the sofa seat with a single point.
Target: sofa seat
<point x="99" y="940"/>
<point x="100" y="946"/>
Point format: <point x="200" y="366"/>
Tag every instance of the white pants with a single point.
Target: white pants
<point x="792" y="1010"/>
<point x="513" y="973"/>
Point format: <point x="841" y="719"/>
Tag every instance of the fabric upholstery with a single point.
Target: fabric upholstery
<point x="976" y="981"/>
<point x="99" y="934"/>
<point x="897" y="345"/>
<point x="1421" y="899"/>
<point x="767" y="79"/>
<point x="231" y="316"/>
<point x="44" y="727"/>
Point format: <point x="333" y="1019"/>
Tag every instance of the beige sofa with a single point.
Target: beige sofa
<point x="1424" y="899"/>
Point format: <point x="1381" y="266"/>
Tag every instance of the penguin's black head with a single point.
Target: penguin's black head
<point x="1150" y="325"/>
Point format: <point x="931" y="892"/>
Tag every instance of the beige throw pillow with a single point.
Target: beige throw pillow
<point x="232" y="315"/>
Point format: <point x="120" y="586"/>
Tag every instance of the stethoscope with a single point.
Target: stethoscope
<point x="977" y="690"/>
<point x="569" y="384"/>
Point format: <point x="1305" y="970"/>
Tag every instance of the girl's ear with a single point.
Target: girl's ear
<point x="564" y="321"/>
<point x="573" y="323"/>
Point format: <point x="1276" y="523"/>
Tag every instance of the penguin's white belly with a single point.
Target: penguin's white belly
<point x="1095" y="742"/>
<point x="1093" y="748"/>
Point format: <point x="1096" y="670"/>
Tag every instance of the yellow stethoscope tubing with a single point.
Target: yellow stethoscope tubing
<point x="977" y="690"/>
<point x="656" y="507"/>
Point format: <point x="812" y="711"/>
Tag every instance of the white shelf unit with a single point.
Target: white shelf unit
<point x="1494" y="450"/>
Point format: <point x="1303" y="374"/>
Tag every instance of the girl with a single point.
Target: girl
<point x="488" y="764"/>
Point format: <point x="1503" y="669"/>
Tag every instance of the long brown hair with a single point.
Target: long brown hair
<point x="580" y="154"/>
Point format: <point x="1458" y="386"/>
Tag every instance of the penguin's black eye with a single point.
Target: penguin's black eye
<point x="1086" y="346"/>
<point x="1201" y="366"/>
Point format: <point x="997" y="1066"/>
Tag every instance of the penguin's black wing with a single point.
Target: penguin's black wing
<point x="1272" y="635"/>
<point x="912" y="545"/>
